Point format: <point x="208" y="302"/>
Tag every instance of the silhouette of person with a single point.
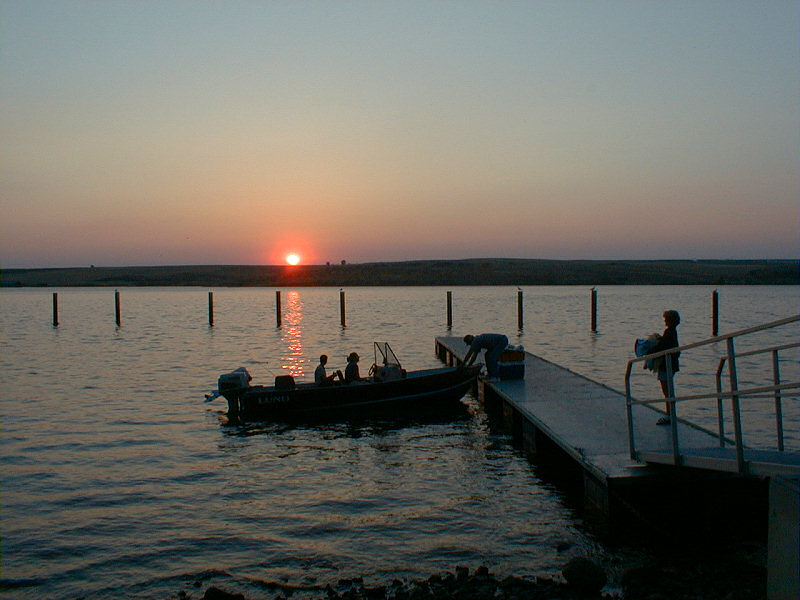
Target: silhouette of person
<point x="493" y="343"/>
<point x="351" y="373"/>
<point x="320" y="375"/>
<point x="667" y="340"/>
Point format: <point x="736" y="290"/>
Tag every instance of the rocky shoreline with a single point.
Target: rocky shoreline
<point x="583" y="579"/>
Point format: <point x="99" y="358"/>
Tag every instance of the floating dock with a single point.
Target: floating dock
<point x="580" y="427"/>
<point x="576" y="430"/>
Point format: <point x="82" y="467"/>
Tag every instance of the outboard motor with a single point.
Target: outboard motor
<point x="231" y="386"/>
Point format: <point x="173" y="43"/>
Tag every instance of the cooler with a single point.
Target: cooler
<point x="512" y="363"/>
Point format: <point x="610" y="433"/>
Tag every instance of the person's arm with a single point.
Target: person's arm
<point x="666" y="341"/>
<point x="660" y="344"/>
<point x="470" y="356"/>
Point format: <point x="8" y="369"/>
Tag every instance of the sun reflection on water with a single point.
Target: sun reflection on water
<point x="292" y="361"/>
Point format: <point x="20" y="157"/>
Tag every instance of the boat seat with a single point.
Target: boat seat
<point x="284" y="382"/>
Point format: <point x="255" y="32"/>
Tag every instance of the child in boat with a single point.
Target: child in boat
<point x="320" y="375"/>
<point x="351" y="373"/>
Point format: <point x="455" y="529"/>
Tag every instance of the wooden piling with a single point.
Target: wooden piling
<point x="519" y="310"/>
<point x="278" y="308"/>
<point x="117" y="308"/>
<point x="342" y="309"/>
<point x="715" y="313"/>
<point x="594" y="309"/>
<point x="449" y="310"/>
<point x="55" y="309"/>
<point x="210" y="309"/>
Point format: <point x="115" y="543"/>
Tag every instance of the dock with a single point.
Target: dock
<point x="577" y="430"/>
<point x="559" y="416"/>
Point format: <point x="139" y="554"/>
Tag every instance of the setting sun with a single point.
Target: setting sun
<point x="292" y="259"/>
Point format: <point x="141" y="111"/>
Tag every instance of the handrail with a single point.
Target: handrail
<point x="759" y="351"/>
<point x="750" y="392"/>
<point x="735" y="394"/>
<point x="776" y="388"/>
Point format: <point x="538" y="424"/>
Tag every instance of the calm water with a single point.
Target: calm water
<point x="119" y="479"/>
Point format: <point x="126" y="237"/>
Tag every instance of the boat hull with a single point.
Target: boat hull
<point x="418" y="392"/>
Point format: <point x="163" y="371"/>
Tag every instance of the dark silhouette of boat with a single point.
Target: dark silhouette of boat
<point x="389" y="391"/>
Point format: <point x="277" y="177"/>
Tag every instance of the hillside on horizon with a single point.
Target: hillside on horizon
<point x="489" y="271"/>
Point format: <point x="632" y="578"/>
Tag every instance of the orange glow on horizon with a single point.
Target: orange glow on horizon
<point x="285" y="249"/>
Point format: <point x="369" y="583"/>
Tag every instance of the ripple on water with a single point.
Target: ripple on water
<point x="118" y="479"/>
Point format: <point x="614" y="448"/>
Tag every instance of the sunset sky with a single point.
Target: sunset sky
<point x="238" y="132"/>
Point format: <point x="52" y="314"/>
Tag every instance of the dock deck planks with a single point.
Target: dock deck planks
<point x="585" y="418"/>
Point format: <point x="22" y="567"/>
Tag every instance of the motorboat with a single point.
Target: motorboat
<point x="389" y="390"/>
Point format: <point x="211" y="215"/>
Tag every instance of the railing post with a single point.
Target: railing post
<point x="210" y="309"/>
<point x="776" y="379"/>
<point x="629" y="412"/>
<point x="720" y="412"/>
<point x="520" y="319"/>
<point x="594" y="310"/>
<point x="277" y="308"/>
<point x="342" y="309"/>
<point x="737" y="417"/>
<point x="117" y="308"/>
<point x="673" y="411"/>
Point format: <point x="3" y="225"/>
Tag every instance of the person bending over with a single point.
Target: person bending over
<point x="493" y="343"/>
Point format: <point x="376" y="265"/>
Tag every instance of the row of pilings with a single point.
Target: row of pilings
<point x="343" y="310"/>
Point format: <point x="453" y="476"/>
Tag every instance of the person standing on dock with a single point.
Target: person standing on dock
<point x="494" y="344"/>
<point x="668" y="339"/>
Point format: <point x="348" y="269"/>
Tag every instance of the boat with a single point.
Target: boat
<point x="389" y="390"/>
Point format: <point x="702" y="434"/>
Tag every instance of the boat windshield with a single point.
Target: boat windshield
<point x="384" y="355"/>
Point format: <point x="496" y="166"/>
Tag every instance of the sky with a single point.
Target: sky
<point x="240" y="131"/>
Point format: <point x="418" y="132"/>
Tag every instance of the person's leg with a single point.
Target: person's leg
<point x="665" y="390"/>
<point x="662" y="379"/>
<point x="492" y="358"/>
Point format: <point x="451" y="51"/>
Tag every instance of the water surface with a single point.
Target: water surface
<point x="119" y="479"/>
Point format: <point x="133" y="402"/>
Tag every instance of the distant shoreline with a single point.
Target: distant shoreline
<point x="490" y="271"/>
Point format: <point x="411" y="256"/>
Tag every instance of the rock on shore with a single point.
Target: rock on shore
<point x="461" y="585"/>
<point x="583" y="580"/>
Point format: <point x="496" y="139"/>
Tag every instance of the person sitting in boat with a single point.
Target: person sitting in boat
<point x="321" y="377"/>
<point x="494" y="344"/>
<point x="351" y="373"/>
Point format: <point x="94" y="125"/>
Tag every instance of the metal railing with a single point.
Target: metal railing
<point x="736" y="394"/>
